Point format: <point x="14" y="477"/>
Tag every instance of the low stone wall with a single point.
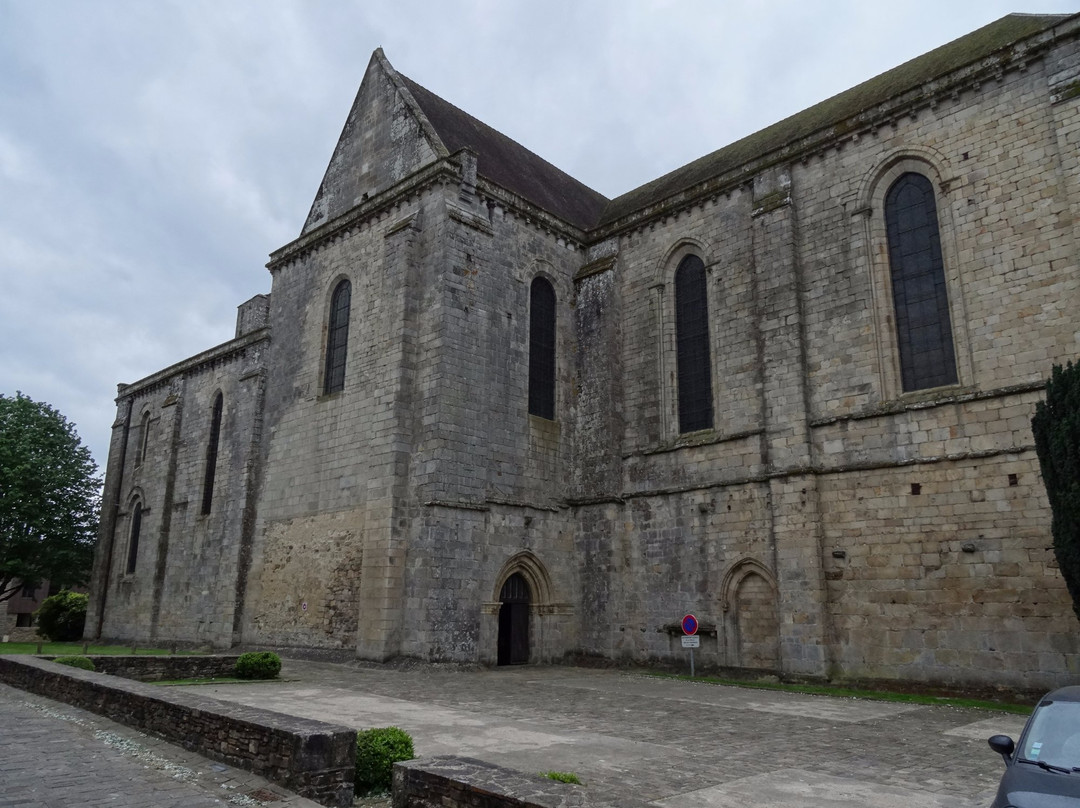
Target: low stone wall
<point x="458" y="782"/>
<point x="159" y="667"/>
<point x="314" y="759"/>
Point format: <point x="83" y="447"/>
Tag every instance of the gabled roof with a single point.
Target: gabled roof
<point x="959" y="53"/>
<point x="508" y="163"/>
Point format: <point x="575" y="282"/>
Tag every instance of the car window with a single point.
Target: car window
<point x="1054" y="735"/>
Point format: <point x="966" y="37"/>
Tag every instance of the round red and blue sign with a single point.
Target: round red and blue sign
<point x="689" y="624"/>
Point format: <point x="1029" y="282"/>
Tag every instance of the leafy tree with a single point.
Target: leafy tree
<point x="62" y="616"/>
<point x="49" y="495"/>
<point x="1056" y="427"/>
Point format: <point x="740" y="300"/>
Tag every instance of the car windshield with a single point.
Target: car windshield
<point x="1054" y="735"/>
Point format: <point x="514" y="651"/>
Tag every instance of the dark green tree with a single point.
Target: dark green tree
<point x="49" y="495"/>
<point x="1056" y="427"/>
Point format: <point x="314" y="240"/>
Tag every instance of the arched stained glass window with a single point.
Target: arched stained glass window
<point x="542" y="349"/>
<point x="692" y="346"/>
<point x="211" y="455"/>
<point x="920" y="298"/>
<point x="337" y="338"/>
<point x="133" y="539"/>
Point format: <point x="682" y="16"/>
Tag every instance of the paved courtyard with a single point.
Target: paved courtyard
<point x="635" y="739"/>
<point x="53" y="755"/>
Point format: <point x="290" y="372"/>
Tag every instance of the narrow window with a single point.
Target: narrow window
<point x="542" y="349"/>
<point x="144" y="438"/>
<point x="133" y="542"/>
<point x="692" y="346"/>
<point x="337" y="338"/>
<point x="211" y="456"/>
<point x="923" y="327"/>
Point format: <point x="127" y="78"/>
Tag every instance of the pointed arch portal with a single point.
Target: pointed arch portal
<point x="514" y="598"/>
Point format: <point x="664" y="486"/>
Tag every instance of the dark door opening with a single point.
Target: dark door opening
<point x="514" y="621"/>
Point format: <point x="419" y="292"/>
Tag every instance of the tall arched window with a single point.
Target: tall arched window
<point x="542" y="349"/>
<point x="133" y="538"/>
<point x="144" y="438"/>
<point x="211" y="455"/>
<point x="337" y="338"/>
<point x="692" y="346"/>
<point x="920" y="298"/>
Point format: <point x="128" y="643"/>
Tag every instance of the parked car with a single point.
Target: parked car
<point x="1042" y="770"/>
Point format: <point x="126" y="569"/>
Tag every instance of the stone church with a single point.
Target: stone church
<point x="487" y="415"/>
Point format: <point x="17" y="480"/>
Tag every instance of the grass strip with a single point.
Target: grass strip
<point x="852" y="693"/>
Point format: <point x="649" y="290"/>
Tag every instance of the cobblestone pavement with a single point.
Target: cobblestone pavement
<point x="675" y="744"/>
<point x="53" y="755"/>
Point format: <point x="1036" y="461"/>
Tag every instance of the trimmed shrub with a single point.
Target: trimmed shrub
<point x="258" y="665"/>
<point x="85" y="663"/>
<point x="564" y="777"/>
<point x="376" y="752"/>
<point x="62" y="616"/>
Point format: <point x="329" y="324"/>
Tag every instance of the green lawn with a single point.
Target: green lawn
<point x="76" y="649"/>
<point x="844" y="692"/>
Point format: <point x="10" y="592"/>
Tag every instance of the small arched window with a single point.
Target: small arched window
<point x="920" y="298"/>
<point x="542" y="349"/>
<point x="144" y="438"/>
<point x="693" y="362"/>
<point x="337" y="338"/>
<point x="133" y="538"/>
<point x="211" y="455"/>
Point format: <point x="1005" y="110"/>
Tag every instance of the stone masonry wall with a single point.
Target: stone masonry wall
<point x="808" y="404"/>
<point x="184" y="585"/>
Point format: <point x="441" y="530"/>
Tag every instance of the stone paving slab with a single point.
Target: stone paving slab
<point x="800" y="789"/>
<point x="637" y="738"/>
<point x="53" y="755"/>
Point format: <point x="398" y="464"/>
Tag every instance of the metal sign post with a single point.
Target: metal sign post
<point x="691" y="640"/>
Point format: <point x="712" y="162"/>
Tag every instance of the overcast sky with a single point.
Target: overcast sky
<point x="152" y="154"/>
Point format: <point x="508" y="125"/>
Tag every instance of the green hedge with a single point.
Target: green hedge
<point x="376" y="752"/>
<point x="76" y="662"/>
<point x="258" y="665"/>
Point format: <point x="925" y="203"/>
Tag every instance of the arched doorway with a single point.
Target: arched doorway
<point x="751" y="616"/>
<point x="514" y="621"/>
<point x="757" y="626"/>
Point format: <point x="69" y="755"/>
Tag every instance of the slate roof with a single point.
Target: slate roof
<point x="511" y="165"/>
<point x="508" y="163"/>
<point x="957" y="54"/>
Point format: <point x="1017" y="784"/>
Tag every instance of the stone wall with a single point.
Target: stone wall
<point x="821" y="481"/>
<point x="160" y="667"/>
<point x="185" y="580"/>
<point x="314" y="759"/>
<point x="457" y="782"/>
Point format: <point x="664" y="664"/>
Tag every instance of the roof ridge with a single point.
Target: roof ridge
<point x="1000" y="34"/>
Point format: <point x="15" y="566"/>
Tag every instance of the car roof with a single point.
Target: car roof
<point x="1071" y="693"/>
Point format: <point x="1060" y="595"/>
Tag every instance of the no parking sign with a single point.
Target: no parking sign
<point x="689" y="624"/>
<point x="691" y="641"/>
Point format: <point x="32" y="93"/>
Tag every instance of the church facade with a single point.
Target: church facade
<point x="488" y="415"/>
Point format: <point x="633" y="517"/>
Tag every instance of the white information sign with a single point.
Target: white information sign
<point x="691" y="642"/>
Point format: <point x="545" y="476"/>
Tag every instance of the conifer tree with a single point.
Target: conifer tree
<point x="1056" y="427"/>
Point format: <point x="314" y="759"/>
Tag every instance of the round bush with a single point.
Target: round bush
<point x="258" y="665"/>
<point x="376" y="752"/>
<point x="85" y="663"/>
<point x="62" y="616"/>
